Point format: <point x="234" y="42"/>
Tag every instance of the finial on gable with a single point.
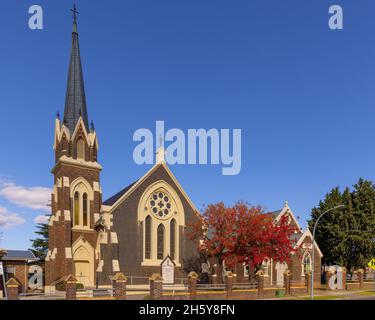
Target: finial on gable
<point x="286" y="203"/>
<point x="92" y="126"/>
<point x="58" y="115"/>
<point x="160" y="153"/>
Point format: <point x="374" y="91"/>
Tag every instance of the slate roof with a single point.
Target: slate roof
<point x="112" y="200"/>
<point x="19" y="255"/>
<point x="274" y="214"/>
<point x="75" y="100"/>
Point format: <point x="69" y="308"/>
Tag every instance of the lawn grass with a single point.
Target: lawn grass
<point x="367" y="293"/>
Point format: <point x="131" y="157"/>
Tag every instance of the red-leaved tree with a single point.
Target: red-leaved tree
<point x="242" y="234"/>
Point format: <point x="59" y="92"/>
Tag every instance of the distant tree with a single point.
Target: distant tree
<point x="195" y="264"/>
<point x="40" y="245"/>
<point x="346" y="236"/>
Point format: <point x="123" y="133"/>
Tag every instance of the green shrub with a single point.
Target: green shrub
<point x="280" y="293"/>
<point x="80" y="286"/>
<point x="62" y="286"/>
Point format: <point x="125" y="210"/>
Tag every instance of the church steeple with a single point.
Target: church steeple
<point x="75" y="100"/>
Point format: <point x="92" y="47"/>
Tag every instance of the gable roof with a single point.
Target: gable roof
<point x="19" y="255"/>
<point x="115" y="200"/>
<point x="274" y="214"/>
<point x="307" y="233"/>
<point x="112" y="200"/>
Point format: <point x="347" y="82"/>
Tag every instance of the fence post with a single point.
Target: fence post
<point x="192" y="284"/>
<point x="156" y="287"/>
<point x="12" y="287"/>
<point x="260" y="279"/>
<point x="308" y="281"/>
<point x="71" y="288"/>
<point x="214" y="279"/>
<point x="360" y="278"/>
<point x="343" y="278"/>
<point x="229" y="284"/>
<point x="287" y="276"/>
<point x="119" y="286"/>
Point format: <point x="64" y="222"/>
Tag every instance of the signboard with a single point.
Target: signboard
<point x="371" y="264"/>
<point x="167" y="270"/>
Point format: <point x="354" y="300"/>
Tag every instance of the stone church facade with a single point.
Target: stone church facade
<point x="131" y="232"/>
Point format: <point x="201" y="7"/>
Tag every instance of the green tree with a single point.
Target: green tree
<point x="345" y="236"/>
<point x="40" y="245"/>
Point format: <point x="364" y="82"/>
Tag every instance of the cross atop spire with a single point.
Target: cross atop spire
<point x="75" y="12"/>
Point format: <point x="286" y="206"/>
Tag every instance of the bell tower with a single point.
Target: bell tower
<point x="76" y="198"/>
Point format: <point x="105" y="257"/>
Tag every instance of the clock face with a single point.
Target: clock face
<point x="160" y="204"/>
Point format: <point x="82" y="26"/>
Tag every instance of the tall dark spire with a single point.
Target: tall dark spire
<point x="75" y="100"/>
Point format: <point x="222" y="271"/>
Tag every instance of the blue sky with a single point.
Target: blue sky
<point x="301" y="93"/>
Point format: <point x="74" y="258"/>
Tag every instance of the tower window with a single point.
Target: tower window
<point x="84" y="211"/>
<point x="76" y="209"/>
<point x="80" y="149"/>
<point x="148" y="238"/>
<point x="160" y="243"/>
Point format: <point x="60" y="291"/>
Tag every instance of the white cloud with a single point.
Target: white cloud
<point x="9" y="219"/>
<point x="41" y="219"/>
<point x="35" y="198"/>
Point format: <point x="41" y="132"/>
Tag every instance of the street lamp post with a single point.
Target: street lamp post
<point x="313" y="252"/>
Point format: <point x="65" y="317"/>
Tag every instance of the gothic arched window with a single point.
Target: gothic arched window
<point x="81" y="196"/>
<point x="306" y="263"/>
<point x="173" y="238"/>
<point x="76" y="208"/>
<point x="160" y="243"/>
<point x="148" y="237"/>
<point x="80" y="149"/>
<point x="85" y="211"/>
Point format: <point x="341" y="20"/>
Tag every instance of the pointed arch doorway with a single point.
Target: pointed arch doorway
<point x="83" y="258"/>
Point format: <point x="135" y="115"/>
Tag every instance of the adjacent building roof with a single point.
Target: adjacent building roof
<point x="75" y="100"/>
<point x="19" y="255"/>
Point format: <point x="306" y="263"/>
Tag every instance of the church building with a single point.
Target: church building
<point x="134" y="230"/>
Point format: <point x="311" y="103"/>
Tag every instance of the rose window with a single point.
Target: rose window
<point x="160" y="204"/>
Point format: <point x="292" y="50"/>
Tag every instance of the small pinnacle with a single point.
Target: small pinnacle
<point x="58" y="115"/>
<point x="160" y="141"/>
<point x="92" y="126"/>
